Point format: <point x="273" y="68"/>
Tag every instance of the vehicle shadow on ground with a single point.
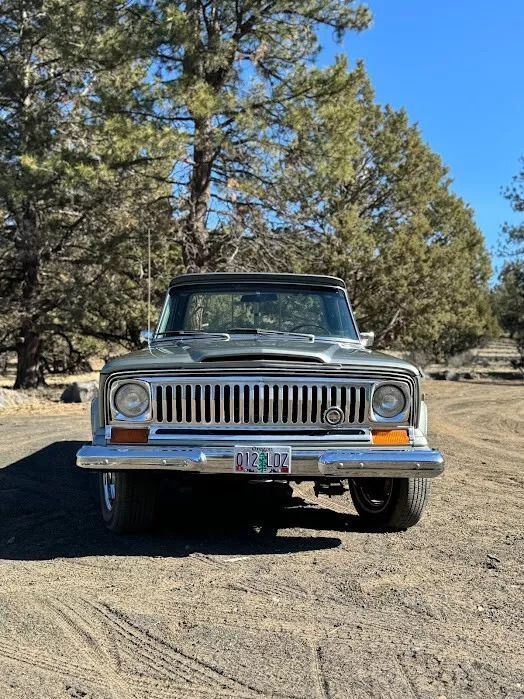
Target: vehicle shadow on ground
<point x="49" y="509"/>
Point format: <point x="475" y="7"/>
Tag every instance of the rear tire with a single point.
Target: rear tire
<point x="390" y="503"/>
<point x="127" y="501"/>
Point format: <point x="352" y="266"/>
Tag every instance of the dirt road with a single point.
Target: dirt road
<point x="271" y="595"/>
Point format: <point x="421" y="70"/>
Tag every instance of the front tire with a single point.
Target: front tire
<point x="390" y="503"/>
<point x="128" y="501"/>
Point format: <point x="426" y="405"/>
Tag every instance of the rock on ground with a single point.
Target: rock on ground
<point x="9" y="398"/>
<point x="80" y="392"/>
<point x="450" y="375"/>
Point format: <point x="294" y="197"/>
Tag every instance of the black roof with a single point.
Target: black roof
<point x="260" y="277"/>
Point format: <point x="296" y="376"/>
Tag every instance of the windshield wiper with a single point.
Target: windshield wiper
<point x="264" y="331"/>
<point x="191" y="333"/>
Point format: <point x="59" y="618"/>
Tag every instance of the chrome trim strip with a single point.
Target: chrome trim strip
<point x="369" y="463"/>
<point x="164" y="405"/>
<point x="271" y="369"/>
<point x="232" y="437"/>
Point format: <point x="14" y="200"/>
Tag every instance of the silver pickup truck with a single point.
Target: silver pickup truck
<point x="261" y="376"/>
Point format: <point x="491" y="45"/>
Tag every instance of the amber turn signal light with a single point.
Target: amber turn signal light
<point x="390" y="436"/>
<point x="124" y="435"/>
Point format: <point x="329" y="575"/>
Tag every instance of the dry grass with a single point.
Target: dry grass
<point x="45" y="400"/>
<point x="44" y="406"/>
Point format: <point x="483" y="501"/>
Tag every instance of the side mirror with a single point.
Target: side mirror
<point x="146" y="336"/>
<point x="367" y="339"/>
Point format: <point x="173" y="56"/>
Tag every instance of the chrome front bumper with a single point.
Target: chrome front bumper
<point x="306" y="463"/>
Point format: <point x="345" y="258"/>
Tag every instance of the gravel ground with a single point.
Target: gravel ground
<point x="266" y="593"/>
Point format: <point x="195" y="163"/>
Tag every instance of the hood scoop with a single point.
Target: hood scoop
<point x="263" y="357"/>
<point x="261" y="350"/>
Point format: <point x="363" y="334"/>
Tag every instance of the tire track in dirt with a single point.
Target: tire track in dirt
<point x="20" y="653"/>
<point x="317" y="672"/>
<point x="169" y="660"/>
<point x="268" y="588"/>
<point x="117" y="645"/>
<point x="80" y="632"/>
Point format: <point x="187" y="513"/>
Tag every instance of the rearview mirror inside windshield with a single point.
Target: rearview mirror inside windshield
<point x="258" y="297"/>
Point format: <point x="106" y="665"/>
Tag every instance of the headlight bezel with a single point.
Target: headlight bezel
<point x="403" y="415"/>
<point x="144" y="416"/>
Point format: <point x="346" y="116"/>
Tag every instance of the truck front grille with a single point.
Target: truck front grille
<point x="263" y="402"/>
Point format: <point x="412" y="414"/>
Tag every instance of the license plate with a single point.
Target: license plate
<point x="262" y="460"/>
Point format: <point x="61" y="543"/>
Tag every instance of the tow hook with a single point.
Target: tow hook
<point x="329" y="488"/>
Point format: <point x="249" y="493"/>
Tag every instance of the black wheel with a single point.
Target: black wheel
<point x="391" y="503"/>
<point x="128" y="501"/>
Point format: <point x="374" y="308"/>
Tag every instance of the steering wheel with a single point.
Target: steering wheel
<point x="308" y="325"/>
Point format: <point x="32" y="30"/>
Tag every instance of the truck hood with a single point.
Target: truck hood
<point x="252" y="352"/>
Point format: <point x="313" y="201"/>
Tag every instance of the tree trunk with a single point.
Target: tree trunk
<point x="28" y="239"/>
<point x="29" y="372"/>
<point x="196" y="244"/>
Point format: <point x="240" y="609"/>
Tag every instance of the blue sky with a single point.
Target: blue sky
<point x="457" y="66"/>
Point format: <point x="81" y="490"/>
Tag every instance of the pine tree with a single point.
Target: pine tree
<point x="509" y="294"/>
<point x="224" y="71"/>
<point x="360" y="195"/>
<point x="76" y="185"/>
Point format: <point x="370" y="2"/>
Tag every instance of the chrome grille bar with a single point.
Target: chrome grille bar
<point x="271" y="402"/>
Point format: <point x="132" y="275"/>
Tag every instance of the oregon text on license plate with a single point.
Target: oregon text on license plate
<point x="262" y="459"/>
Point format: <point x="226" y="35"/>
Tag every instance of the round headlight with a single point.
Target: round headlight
<point x="388" y="401"/>
<point x="131" y="400"/>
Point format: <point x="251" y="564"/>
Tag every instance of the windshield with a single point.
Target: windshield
<point x="234" y="308"/>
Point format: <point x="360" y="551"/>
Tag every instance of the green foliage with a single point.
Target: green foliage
<point x="360" y="195"/>
<point x="209" y="125"/>
<point x="515" y="233"/>
<point x="225" y="72"/>
<point x="508" y="296"/>
<point x="508" y="300"/>
<point x="77" y="189"/>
